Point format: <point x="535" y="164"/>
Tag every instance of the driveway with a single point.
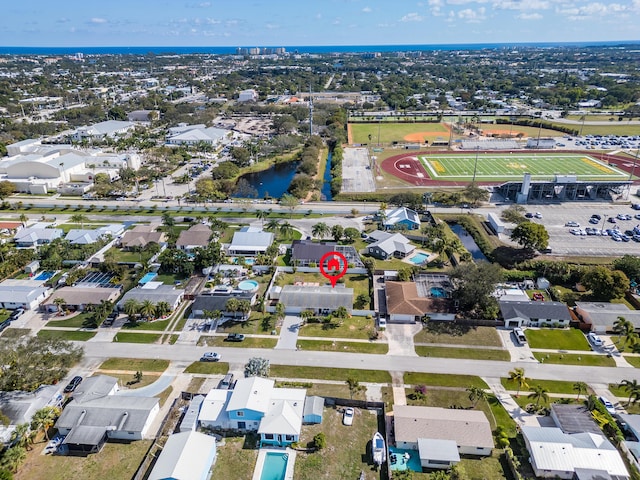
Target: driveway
<point x="289" y="333"/>
<point x="400" y="338"/>
<point x="519" y="353"/>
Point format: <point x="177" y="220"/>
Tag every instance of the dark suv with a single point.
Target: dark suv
<point x="235" y="337"/>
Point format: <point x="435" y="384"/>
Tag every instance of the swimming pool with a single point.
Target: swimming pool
<point x="398" y="460"/>
<point x="43" y="276"/>
<point x="248" y="285"/>
<point x="419" y="258"/>
<point x="438" y="292"/>
<point x="275" y="466"/>
<point x="148" y="278"/>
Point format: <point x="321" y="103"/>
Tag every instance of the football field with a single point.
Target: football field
<point x="499" y="167"/>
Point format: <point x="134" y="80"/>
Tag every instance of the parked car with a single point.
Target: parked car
<point x="538" y="215"/>
<point x="572" y="224"/>
<point x="608" y="405"/>
<point x="521" y="339"/>
<point x="227" y="382"/>
<point x="73" y="384"/>
<point x="16" y="313"/>
<point x="210" y="357"/>
<point x="528" y="215"/>
<point x="612" y="220"/>
<point x="594" y="220"/>
<point x="594" y="339"/>
<point x="234" y="337"/>
<point x="347" y="416"/>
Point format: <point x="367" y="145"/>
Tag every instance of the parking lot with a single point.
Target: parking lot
<point x="562" y="242"/>
<point x="357" y="175"/>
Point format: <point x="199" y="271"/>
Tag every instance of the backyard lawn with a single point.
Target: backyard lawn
<point x="116" y="460"/>
<point x="236" y="458"/>
<point x="346" y="454"/>
<point x="556" y="339"/>
<point x="442" y="332"/>
<point x="354" y="327"/>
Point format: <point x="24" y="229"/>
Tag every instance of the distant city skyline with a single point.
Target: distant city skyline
<point x="69" y="23"/>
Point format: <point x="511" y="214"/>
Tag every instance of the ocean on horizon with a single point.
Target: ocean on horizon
<point x="163" y="50"/>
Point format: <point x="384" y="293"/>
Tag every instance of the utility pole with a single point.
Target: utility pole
<point x="310" y="112"/>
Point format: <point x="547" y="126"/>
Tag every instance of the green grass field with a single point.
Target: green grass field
<point x="396" y="132"/>
<point x="512" y="166"/>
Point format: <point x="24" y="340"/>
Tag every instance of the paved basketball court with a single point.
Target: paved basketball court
<point x="357" y="175"/>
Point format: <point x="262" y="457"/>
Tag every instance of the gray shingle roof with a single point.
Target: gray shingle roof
<point x="310" y="251"/>
<point x="544" y="310"/>
<point x="320" y="297"/>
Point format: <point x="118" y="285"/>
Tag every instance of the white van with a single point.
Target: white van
<point x="521" y="339"/>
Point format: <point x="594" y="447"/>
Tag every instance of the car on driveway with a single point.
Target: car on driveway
<point x="594" y="339"/>
<point x="73" y="384"/>
<point x="210" y="357"/>
<point x="16" y="314"/>
<point x="234" y="337"/>
<point x="608" y="405"/>
<point x="347" y="416"/>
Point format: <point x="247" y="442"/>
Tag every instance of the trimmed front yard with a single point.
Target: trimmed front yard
<point x="320" y="373"/>
<point x="208" y="368"/>
<point x="248" y="342"/>
<point x="354" y="327"/>
<point x="443" y="380"/>
<point x="130" y="337"/>
<point x="135" y="364"/>
<point x="71" y="335"/>
<point x="74" y="321"/>
<point x="586" y="360"/>
<point x="351" y="347"/>
<point x="472" y="353"/>
<point x="555" y="339"/>
<point x="442" y="332"/>
<point x="258" y="323"/>
<point x="552" y="386"/>
<point x="632" y="360"/>
<point x="127" y="380"/>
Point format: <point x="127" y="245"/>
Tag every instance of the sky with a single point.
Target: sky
<point x="70" y="23"/>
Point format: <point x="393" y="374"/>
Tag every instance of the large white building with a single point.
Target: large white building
<point x="195" y="134"/>
<point x="37" y="168"/>
<point x="102" y="130"/>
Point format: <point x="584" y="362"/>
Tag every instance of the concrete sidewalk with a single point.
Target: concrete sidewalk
<point x="289" y="333"/>
<point x="513" y="409"/>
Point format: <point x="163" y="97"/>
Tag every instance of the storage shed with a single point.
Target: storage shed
<point x="189" y="422"/>
<point x="313" y="410"/>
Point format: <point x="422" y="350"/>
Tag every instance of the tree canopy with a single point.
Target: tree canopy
<point x="605" y="284"/>
<point x="474" y="283"/>
<point x="532" y="236"/>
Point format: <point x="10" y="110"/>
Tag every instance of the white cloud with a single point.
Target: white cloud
<point x="98" y="21"/>
<point x="412" y="17"/>
<point x="465" y="2"/>
<point x="204" y="4"/>
<point x="529" y="16"/>
<point x="337" y="21"/>
<point x="366" y="10"/>
<point x="521" y="5"/>
<point x="472" y="16"/>
<point x="595" y="9"/>
<point x="272" y="26"/>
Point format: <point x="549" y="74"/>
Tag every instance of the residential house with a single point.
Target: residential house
<point x="197" y="235"/>
<point x="256" y="405"/>
<point x="27" y="294"/>
<point x="406" y="303"/>
<point x="250" y="241"/>
<point x="401" y="218"/>
<point x="600" y="317"/>
<point x="10" y="227"/>
<point x="36" y="235"/>
<point x="306" y="252"/>
<point x="216" y="300"/>
<point x="248" y="95"/>
<point x="185" y="456"/>
<point x="143" y="116"/>
<point x="19" y="407"/>
<point x="154" y="292"/>
<point x="556" y="454"/>
<point x="573" y="419"/>
<point x="140" y="236"/>
<point x="189" y="422"/>
<point x="98" y="412"/>
<point x="79" y="298"/>
<point x="77" y="236"/>
<point x="321" y="299"/>
<point x="388" y="245"/>
<point x="441" y="435"/>
<point x="535" y="314"/>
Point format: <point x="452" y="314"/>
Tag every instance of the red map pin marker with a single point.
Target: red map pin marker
<point x="333" y="266"/>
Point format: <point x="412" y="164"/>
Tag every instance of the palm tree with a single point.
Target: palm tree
<point x="476" y="394"/>
<point x="262" y="215"/>
<point x="320" y="230"/>
<point x="131" y="308"/>
<point x="285" y="229"/>
<point x="280" y="311"/>
<point x="591" y="402"/>
<point x="539" y="393"/>
<point x="44" y="419"/>
<point x="59" y="302"/>
<point x="341" y="312"/>
<point x="23" y="219"/>
<point x="244" y="307"/>
<point x="623" y="328"/>
<point x="518" y="376"/>
<point x="148" y="309"/>
<point x="354" y="386"/>
<point x="22" y="436"/>
<point x="581" y="388"/>
<point x="232" y="305"/>
<point x="78" y="218"/>
<point x="273" y="225"/>
<point x="13" y="457"/>
<point x="163" y="308"/>
<point x="633" y="389"/>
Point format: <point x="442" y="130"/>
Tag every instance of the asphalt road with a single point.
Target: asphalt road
<point x="188" y="353"/>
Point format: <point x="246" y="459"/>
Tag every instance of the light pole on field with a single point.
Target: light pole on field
<point x="475" y="164"/>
